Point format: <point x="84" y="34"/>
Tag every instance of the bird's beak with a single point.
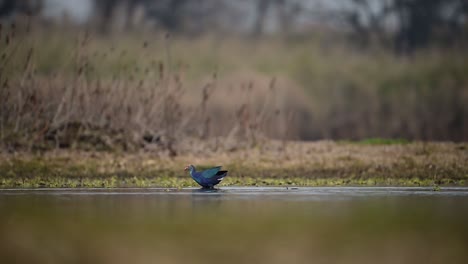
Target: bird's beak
<point x="186" y="168"/>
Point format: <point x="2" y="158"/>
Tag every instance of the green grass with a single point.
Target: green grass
<point x="379" y="141"/>
<point x="168" y="182"/>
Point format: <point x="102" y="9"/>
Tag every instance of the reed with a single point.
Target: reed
<point x="140" y="106"/>
<point x="77" y="89"/>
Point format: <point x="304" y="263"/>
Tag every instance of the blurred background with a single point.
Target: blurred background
<point x="146" y="72"/>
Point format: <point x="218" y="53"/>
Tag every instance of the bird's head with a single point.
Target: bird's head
<point x="188" y="168"/>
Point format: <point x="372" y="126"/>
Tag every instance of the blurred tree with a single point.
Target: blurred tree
<point x="286" y="15"/>
<point x="171" y="15"/>
<point x="419" y="19"/>
<point x="28" y="7"/>
<point x="367" y="23"/>
<point x="6" y="7"/>
<point x="417" y="23"/>
<point x="104" y="10"/>
<point x="261" y="11"/>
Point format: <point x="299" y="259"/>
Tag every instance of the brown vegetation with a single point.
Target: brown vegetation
<point x="76" y="90"/>
<point x="140" y="105"/>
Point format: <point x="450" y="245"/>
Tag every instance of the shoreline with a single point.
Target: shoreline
<point x="321" y="163"/>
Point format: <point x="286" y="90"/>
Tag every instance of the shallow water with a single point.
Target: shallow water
<point x="235" y="225"/>
<point x="233" y="193"/>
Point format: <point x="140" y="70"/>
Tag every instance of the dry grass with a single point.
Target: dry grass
<point x="78" y="90"/>
<point x="270" y="163"/>
<point x="72" y="103"/>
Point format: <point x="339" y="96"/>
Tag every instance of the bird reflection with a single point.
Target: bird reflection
<point x="207" y="198"/>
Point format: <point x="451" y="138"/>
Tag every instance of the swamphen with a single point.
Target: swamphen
<point x="207" y="178"/>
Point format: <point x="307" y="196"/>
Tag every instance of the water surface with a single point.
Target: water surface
<point x="235" y="225"/>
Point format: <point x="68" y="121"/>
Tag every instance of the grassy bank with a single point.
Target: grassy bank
<point x="272" y="163"/>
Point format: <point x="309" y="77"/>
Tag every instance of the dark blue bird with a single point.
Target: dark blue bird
<point x="207" y="178"/>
